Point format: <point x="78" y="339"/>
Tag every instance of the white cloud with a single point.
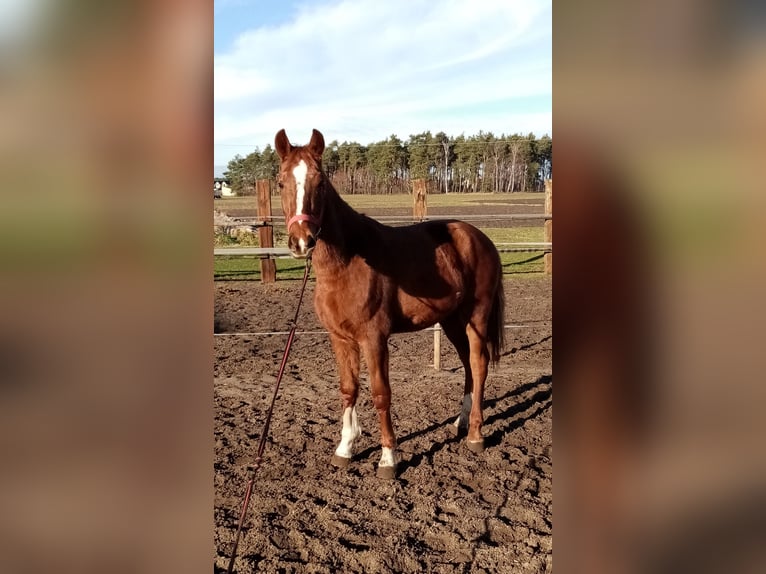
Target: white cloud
<point x="233" y="83"/>
<point x="363" y="69"/>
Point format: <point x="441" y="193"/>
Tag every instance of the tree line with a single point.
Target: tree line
<point x="465" y="164"/>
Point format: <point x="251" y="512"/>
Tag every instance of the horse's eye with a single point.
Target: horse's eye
<point x="280" y="185"/>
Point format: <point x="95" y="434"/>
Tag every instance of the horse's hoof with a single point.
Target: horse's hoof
<point x="387" y="472"/>
<point x="340" y="461"/>
<point x="476" y="446"/>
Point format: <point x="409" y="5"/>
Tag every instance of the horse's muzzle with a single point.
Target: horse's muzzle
<point x="301" y="247"/>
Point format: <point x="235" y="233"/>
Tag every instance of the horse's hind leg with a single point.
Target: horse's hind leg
<point x="376" y="356"/>
<point x="479" y="359"/>
<point x="347" y="358"/>
<point x="455" y="330"/>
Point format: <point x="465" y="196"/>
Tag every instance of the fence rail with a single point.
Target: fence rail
<point x="527" y="325"/>
<point x="269" y="252"/>
<point x="265" y="252"/>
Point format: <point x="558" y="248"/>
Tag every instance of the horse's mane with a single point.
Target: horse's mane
<point x="347" y="230"/>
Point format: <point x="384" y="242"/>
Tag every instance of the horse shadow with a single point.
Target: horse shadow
<point x="512" y="267"/>
<point x="509" y="418"/>
<point x="526" y="347"/>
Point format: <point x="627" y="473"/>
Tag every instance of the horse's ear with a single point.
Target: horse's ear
<point x="316" y="145"/>
<point x="282" y="144"/>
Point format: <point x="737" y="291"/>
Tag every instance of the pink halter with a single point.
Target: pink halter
<point x="302" y="217"/>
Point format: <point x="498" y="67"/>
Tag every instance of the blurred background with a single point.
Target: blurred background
<point x="106" y="306"/>
<point x="658" y="289"/>
<point x="105" y="417"/>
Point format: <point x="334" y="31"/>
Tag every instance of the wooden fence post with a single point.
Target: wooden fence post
<point x="548" y="226"/>
<point x="419" y="212"/>
<point x="419" y="197"/>
<point x="266" y="231"/>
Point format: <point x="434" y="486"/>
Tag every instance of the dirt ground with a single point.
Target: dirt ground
<point x="449" y="511"/>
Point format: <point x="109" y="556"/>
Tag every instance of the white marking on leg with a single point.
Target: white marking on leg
<point x="350" y="432"/>
<point x="299" y="173"/>
<point x="389" y="457"/>
<point x="465" y="412"/>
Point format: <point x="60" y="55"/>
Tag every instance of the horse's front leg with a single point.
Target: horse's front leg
<point x="376" y="356"/>
<point x="347" y="358"/>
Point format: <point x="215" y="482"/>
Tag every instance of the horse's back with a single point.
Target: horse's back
<point x="471" y="247"/>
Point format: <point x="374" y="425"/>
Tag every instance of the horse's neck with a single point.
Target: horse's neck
<point x="342" y="230"/>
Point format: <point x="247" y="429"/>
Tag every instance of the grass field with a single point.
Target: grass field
<point x="248" y="268"/>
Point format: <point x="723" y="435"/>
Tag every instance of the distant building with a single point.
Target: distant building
<point x="222" y="188"/>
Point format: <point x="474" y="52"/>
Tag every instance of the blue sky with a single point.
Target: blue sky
<point x="361" y="70"/>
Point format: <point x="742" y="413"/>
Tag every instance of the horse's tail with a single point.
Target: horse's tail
<point x="496" y="326"/>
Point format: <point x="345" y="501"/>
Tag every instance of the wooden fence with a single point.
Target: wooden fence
<point x="265" y="224"/>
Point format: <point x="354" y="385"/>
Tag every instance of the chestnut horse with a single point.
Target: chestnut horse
<point x="373" y="280"/>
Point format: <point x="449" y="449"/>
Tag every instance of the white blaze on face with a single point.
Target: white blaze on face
<point x="299" y="173"/>
<point x="350" y="432"/>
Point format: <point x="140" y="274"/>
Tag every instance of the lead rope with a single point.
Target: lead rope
<point x="267" y="424"/>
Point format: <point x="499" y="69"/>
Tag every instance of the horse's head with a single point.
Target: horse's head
<point x="300" y="185"/>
